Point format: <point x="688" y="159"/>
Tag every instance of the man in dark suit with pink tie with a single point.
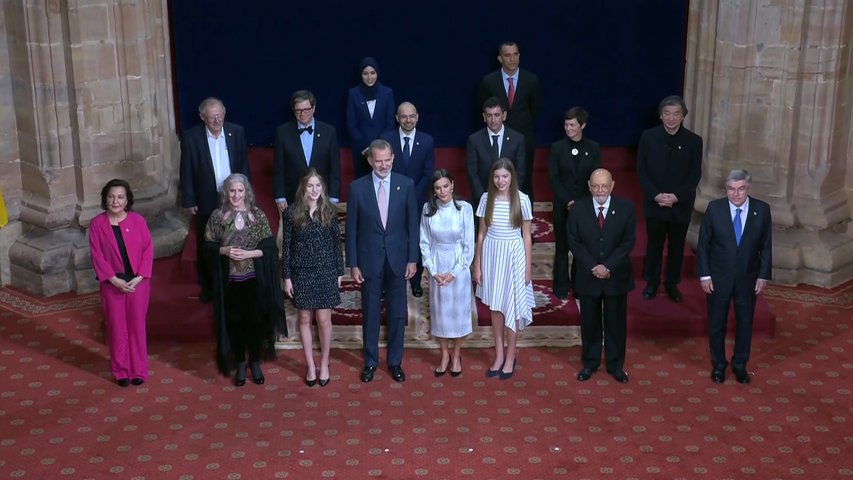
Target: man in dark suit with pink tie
<point x="734" y="261"/>
<point x="382" y="228"/>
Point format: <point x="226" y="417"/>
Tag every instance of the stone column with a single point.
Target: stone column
<point x="770" y="86"/>
<point x="92" y="94"/>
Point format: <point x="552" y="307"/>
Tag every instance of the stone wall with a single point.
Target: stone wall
<point x="770" y="86"/>
<point x="89" y="94"/>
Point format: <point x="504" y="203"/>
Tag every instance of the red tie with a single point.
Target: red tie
<point x="601" y="217"/>
<point x="510" y="96"/>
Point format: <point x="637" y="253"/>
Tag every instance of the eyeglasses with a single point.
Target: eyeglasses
<point x="408" y="117"/>
<point x="300" y="111"/>
<point x="739" y="190"/>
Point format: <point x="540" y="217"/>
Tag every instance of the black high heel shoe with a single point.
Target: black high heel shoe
<point x="494" y="373"/>
<point x="459" y="372"/>
<point x="313" y="382"/>
<point x="440" y="373"/>
<point x="508" y="375"/>
<point x="240" y="375"/>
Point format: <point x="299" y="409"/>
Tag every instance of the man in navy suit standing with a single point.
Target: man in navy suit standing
<point x="382" y="228"/>
<point x="303" y="143"/>
<point x="209" y="153"/>
<point x="415" y="158"/>
<point x="520" y="91"/>
<point x="602" y="231"/>
<point x="734" y="261"/>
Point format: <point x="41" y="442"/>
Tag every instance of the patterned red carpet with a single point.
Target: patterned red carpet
<point x="62" y="417"/>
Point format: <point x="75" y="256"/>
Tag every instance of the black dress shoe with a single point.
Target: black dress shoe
<point x="123" y="382"/>
<point x="367" y="374"/>
<point x="673" y="293"/>
<point x="650" y="291"/>
<point x="397" y="373"/>
<point x="741" y="375"/>
<point x="718" y="376"/>
<point x="417" y="291"/>
<point x="621" y="376"/>
<point x="137" y="381"/>
<point x="585" y="374"/>
<point x="257" y="374"/>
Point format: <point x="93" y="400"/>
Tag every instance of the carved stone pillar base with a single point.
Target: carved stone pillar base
<point x="8" y="235"/>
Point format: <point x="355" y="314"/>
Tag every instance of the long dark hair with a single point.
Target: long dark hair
<point x="326" y="213"/>
<point x="433" y="199"/>
<point x="515" y="218"/>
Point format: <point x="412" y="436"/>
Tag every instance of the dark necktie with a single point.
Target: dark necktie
<point x="308" y="129"/>
<point x="407" y="152"/>
<point x="601" y="217"/>
<point x="495" y="146"/>
<point x="510" y="94"/>
<point x="738" y="226"/>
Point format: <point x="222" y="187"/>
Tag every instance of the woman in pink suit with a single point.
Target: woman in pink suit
<point x="123" y="255"/>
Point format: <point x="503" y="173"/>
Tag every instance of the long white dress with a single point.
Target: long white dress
<point x="503" y="265"/>
<point x="447" y="245"/>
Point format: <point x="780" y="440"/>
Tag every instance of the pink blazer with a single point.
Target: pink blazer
<point x="106" y="257"/>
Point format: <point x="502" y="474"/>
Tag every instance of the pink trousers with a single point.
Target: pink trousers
<point x="124" y="319"/>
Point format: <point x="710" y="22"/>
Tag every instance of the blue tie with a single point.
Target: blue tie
<point x="407" y="152"/>
<point x="738" y="226"/>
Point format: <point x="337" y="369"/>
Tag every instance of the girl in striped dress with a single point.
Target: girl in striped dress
<point x="502" y="267"/>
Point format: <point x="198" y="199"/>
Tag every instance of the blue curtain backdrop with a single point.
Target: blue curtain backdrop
<point x="617" y="58"/>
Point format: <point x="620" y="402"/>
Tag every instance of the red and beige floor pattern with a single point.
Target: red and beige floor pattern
<point x="61" y="416"/>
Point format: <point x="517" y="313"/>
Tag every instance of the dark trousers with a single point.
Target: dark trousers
<point x="394" y="287"/>
<point x="674" y="234"/>
<point x="243" y="320"/>
<point x="561" y="275"/>
<point x="529" y="153"/>
<point x="743" y="298"/>
<point x="419" y="271"/>
<point x="205" y="279"/>
<point x="607" y="315"/>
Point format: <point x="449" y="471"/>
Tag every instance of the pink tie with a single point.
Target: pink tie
<point x="510" y="96"/>
<point x="382" y="197"/>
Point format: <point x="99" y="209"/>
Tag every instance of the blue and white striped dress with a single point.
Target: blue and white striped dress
<point x="503" y="265"/>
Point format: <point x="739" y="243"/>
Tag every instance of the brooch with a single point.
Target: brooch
<point x="574" y="151"/>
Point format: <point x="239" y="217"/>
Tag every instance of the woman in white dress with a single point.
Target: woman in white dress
<point x="447" y="247"/>
<point x="502" y="268"/>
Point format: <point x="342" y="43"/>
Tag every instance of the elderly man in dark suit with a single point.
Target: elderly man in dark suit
<point x="303" y="143"/>
<point x="734" y="261"/>
<point x="209" y="153"/>
<point x="414" y="156"/>
<point x="487" y="145"/>
<point x="382" y="227"/>
<point x="602" y="231"/>
<point x="520" y="91"/>
<point x="572" y="161"/>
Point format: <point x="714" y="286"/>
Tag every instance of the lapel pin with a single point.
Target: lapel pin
<point x="398" y="188"/>
<point x="679" y="147"/>
<point x="417" y="143"/>
<point x="229" y="134"/>
<point x="318" y="134"/>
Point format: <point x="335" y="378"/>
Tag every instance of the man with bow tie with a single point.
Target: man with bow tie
<point x="304" y="143"/>
<point x="414" y="156"/>
<point x="209" y="153"/>
<point x="734" y="262"/>
<point x="601" y="236"/>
